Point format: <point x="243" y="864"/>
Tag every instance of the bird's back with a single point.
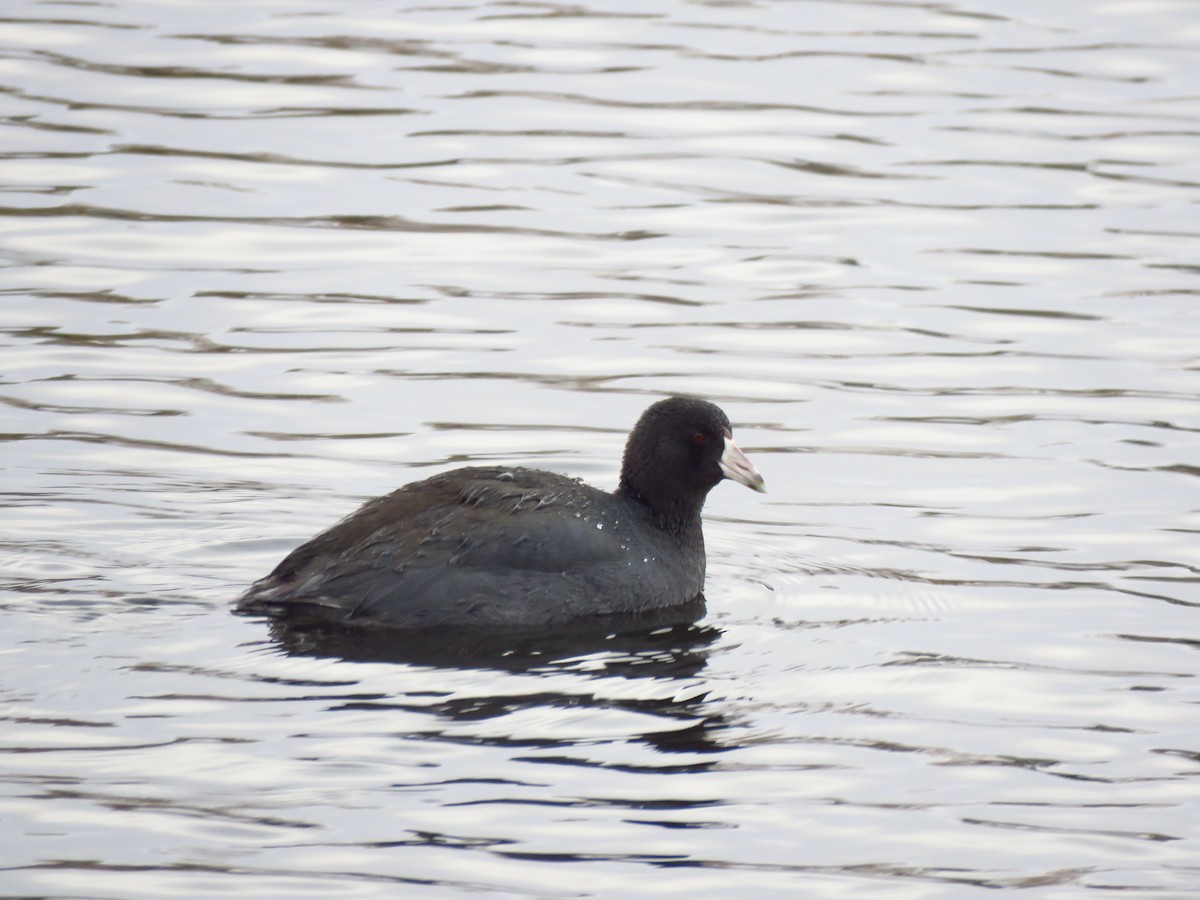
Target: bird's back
<point x="482" y="547"/>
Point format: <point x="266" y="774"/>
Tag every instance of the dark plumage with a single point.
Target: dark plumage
<point x="502" y="546"/>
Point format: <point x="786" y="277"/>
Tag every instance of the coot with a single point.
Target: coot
<point x="503" y="546"/>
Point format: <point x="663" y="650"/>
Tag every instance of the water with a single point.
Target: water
<point x="262" y="260"/>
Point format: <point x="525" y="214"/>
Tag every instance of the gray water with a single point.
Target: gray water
<point x="940" y="263"/>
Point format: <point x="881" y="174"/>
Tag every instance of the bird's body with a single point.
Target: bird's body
<point x="496" y="546"/>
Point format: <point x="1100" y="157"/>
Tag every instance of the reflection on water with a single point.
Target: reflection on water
<point x="259" y="261"/>
<point x="663" y="643"/>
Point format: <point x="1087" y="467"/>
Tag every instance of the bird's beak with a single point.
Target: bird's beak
<point x="737" y="467"/>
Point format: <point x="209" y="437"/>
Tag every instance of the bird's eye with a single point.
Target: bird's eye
<point x="699" y="437"/>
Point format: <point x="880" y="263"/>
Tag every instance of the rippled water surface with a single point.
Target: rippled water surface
<point x="940" y="263"/>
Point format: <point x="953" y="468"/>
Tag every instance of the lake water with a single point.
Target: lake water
<point x="940" y="263"/>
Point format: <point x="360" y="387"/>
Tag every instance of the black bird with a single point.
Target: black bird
<point x="500" y="546"/>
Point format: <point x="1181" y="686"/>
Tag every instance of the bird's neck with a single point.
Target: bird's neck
<point x="676" y="516"/>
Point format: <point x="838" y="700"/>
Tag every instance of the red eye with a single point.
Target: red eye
<point x="699" y="437"/>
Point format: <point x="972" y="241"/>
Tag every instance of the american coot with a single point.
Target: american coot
<point x="499" y="546"/>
